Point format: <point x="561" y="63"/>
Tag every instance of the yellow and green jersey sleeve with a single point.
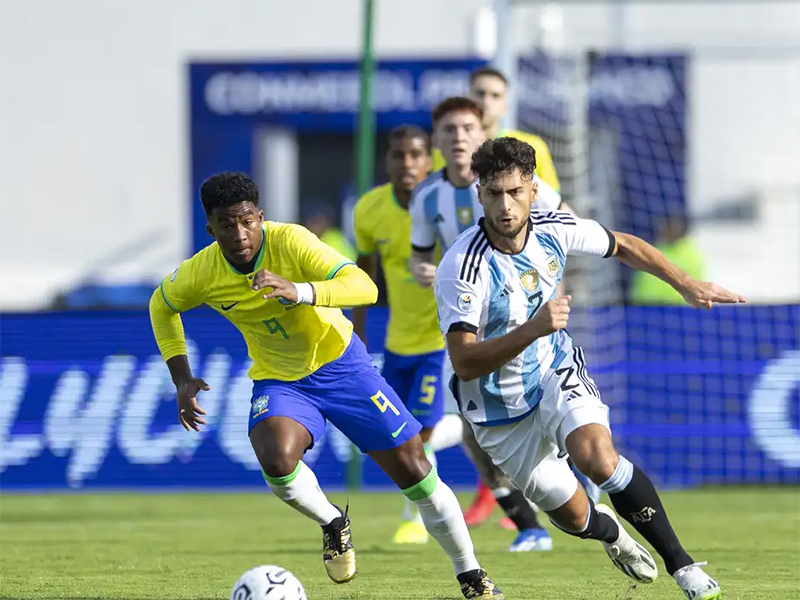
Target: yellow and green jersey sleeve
<point x="383" y="226"/>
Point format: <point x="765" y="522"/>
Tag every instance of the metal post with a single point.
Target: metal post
<point x="505" y="58"/>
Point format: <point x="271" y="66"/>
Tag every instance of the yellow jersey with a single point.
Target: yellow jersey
<point x="285" y="341"/>
<point x="545" y="168"/>
<point x="382" y="225"/>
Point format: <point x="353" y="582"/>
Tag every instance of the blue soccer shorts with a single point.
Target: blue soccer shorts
<point x="349" y="392"/>
<point x="418" y="381"/>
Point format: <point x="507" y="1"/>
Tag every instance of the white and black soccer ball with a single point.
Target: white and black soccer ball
<point x="268" y="582"/>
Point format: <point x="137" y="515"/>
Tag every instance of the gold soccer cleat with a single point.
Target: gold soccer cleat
<point x="338" y="552"/>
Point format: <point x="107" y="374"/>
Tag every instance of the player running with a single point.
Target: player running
<point x="442" y="207"/>
<point x="414" y="355"/>
<point x="281" y="287"/>
<point x="522" y="383"/>
<point x="488" y="87"/>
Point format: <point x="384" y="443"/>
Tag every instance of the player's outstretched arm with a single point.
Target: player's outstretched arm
<point x="638" y="254"/>
<point x="472" y="359"/>
<point x="168" y="331"/>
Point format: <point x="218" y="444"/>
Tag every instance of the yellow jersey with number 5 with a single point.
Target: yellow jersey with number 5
<point x="381" y="225"/>
<point x="545" y="168"/>
<point x="285" y="341"/>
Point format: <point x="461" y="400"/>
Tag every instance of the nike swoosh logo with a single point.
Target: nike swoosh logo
<point x="230" y="306"/>
<point x="396" y="433"/>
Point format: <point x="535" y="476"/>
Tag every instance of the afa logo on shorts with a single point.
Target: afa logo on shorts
<point x="260" y="405"/>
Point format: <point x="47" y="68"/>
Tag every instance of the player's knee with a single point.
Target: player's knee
<point x="277" y="457"/>
<point x="593" y="452"/>
<point x="277" y="465"/>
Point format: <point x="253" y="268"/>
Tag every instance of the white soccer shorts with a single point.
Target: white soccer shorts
<point x="533" y="451"/>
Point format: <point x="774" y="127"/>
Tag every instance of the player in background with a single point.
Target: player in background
<point x="281" y="287"/>
<point x="414" y="355"/>
<point x="442" y="207"/>
<point x="488" y="87"/>
<point x="523" y="384"/>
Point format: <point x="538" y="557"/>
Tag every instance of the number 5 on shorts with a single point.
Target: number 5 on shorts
<point x="428" y="389"/>
<point x="382" y="402"/>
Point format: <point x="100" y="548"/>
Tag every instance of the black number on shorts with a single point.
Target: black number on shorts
<point x="565" y="385"/>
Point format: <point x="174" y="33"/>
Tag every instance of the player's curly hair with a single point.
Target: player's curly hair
<point x="227" y="189"/>
<point x="503" y="154"/>
<point x="455" y="104"/>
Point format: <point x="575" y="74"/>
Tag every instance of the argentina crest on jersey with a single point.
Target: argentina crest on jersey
<point x="466" y="216"/>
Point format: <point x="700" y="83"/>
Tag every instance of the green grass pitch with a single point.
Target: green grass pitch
<point x="194" y="546"/>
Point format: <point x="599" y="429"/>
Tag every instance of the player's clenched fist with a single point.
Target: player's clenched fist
<point x="553" y="316"/>
<point x="423" y="272"/>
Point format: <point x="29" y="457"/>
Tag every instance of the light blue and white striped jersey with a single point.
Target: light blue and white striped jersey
<point x="491" y="293"/>
<point x="440" y="211"/>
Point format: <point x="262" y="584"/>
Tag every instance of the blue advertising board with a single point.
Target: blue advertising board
<point x="638" y="100"/>
<point x="86" y="402"/>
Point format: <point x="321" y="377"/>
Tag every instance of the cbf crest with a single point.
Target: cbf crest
<point x="530" y="280"/>
<point x="260" y="405"/>
<point x="465" y="215"/>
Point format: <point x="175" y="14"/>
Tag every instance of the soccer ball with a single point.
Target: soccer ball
<point x="268" y="582"/>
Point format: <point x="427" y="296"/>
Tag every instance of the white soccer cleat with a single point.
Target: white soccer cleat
<point x="696" y="583"/>
<point x="628" y="555"/>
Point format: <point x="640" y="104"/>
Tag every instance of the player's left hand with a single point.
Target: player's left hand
<point x="281" y="288"/>
<point x="703" y="294"/>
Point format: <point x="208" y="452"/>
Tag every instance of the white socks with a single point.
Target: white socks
<point x="448" y="432"/>
<point x="441" y="513"/>
<point x="301" y="491"/>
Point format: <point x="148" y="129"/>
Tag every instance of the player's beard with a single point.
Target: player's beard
<point x="503" y="232"/>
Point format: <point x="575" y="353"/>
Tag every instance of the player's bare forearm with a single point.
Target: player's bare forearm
<point x="472" y="359"/>
<point x="639" y="255"/>
<point x="422" y="267"/>
<point x="368" y="264"/>
<point x="179" y="369"/>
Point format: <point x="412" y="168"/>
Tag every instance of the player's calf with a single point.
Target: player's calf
<point x="580" y="517"/>
<point x="440" y="511"/>
<point x="631" y="492"/>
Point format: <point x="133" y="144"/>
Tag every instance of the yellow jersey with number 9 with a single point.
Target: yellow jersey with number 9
<point x="285" y="341"/>
<point x="382" y="225"/>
